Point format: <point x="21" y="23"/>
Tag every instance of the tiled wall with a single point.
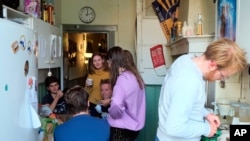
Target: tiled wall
<point x="237" y="88"/>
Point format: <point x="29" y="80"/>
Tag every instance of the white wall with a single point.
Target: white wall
<point x="120" y="13"/>
<point x="108" y="12"/>
<point x="149" y="34"/>
<point x="237" y="88"/>
<point x="189" y="10"/>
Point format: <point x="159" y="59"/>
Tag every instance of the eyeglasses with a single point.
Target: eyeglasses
<point x="223" y="80"/>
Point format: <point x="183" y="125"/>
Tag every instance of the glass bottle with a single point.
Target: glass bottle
<point x="199" y="25"/>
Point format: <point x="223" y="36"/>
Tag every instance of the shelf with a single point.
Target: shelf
<point x="190" y="44"/>
<point x="17" y="16"/>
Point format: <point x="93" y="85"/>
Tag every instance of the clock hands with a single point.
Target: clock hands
<point x="89" y="13"/>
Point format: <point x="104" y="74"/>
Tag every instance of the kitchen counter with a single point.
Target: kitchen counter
<point x="225" y="134"/>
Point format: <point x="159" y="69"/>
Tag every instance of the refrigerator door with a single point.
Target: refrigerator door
<point x="18" y="83"/>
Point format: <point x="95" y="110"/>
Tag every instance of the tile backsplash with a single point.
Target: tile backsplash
<point x="237" y="88"/>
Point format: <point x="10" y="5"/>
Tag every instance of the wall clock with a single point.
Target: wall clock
<point x="87" y="14"/>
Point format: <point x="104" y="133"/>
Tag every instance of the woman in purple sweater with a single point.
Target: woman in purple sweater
<point x="128" y="106"/>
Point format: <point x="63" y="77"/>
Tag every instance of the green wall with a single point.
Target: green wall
<point x="152" y="96"/>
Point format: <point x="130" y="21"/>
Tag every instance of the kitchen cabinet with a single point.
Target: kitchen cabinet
<point x="49" y="38"/>
<point x="16" y="16"/>
<point x="50" y="58"/>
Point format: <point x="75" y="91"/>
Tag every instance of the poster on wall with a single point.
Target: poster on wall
<point x="226" y="19"/>
<point x="167" y="12"/>
<point x="158" y="59"/>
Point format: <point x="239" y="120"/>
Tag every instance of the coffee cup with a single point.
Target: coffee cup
<point x="89" y="82"/>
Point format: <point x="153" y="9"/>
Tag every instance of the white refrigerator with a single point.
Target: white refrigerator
<point x="19" y="120"/>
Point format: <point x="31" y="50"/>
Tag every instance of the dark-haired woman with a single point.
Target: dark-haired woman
<point x="127" y="108"/>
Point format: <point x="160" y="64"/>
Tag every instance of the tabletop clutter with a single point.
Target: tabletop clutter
<point x="49" y="121"/>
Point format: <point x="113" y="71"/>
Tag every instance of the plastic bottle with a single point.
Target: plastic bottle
<point x="184" y="29"/>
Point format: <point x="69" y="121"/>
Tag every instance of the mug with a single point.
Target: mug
<point x="89" y="82"/>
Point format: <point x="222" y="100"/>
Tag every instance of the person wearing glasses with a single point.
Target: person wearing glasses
<point x="182" y="115"/>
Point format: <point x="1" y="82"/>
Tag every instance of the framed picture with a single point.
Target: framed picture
<point x="226" y="19"/>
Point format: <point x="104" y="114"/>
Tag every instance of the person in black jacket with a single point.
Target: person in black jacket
<point x="54" y="99"/>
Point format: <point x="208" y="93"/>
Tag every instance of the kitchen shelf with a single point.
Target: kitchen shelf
<point x="190" y="44"/>
<point x="17" y="16"/>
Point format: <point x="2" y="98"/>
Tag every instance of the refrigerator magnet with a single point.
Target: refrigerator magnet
<point x="22" y="42"/>
<point x="14" y="46"/>
<point x="26" y="68"/>
<point x="30" y="83"/>
<point x="29" y="47"/>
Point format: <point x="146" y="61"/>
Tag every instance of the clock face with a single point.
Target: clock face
<point x="87" y="14"/>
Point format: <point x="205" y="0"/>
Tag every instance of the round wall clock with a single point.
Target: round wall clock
<point x="87" y="14"/>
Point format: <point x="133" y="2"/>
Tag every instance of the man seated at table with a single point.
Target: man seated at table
<point x="81" y="126"/>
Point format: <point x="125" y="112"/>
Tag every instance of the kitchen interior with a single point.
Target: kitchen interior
<point x="138" y="32"/>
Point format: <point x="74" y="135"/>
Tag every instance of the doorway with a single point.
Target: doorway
<point x="79" y="43"/>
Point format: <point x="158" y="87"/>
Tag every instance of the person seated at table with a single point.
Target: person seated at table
<point x="106" y="92"/>
<point x="81" y="126"/>
<point x="54" y="99"/>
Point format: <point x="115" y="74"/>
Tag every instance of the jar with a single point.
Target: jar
<point x="244" y="113"/>
<point x="235" y="109"/>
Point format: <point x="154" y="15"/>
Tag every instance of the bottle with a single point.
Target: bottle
<point x="179" y="29"/>
<point x="50" y="13"/>
<point x="184" y="28"/>
<point x="45" y="11"/>
<point x="173" y="32"/>
<point x="199" y="25"/>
